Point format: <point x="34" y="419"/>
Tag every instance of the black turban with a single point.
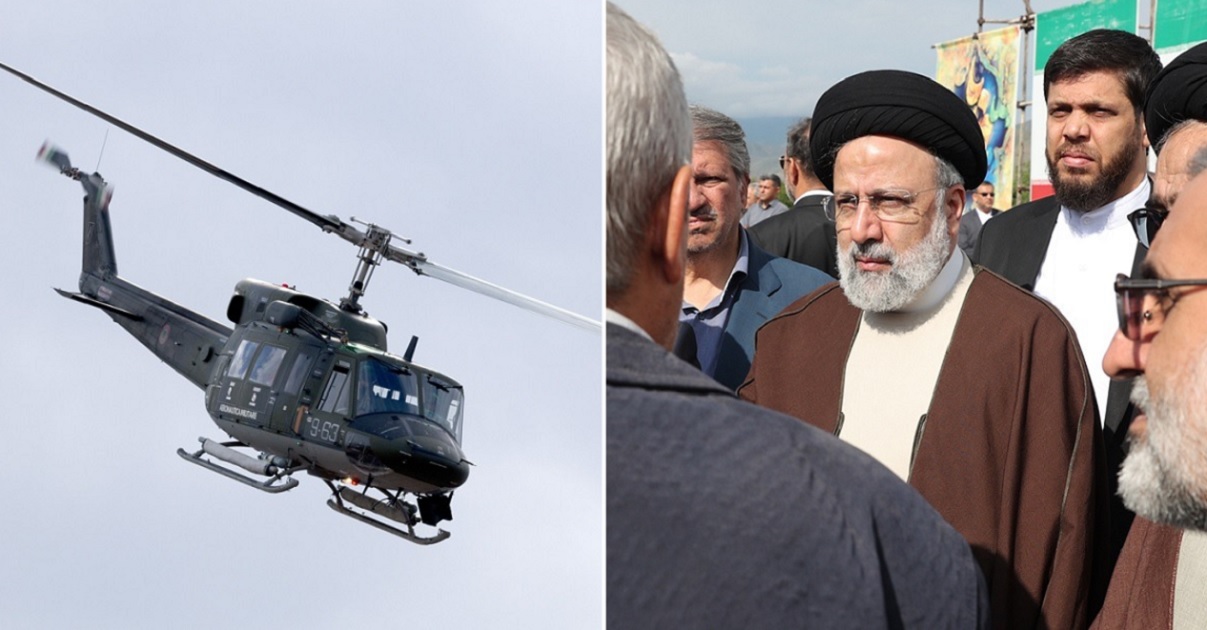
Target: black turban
<point x="1178" y="93"/>
<point x="900" y="104"/>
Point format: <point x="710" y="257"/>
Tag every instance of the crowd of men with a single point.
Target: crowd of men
<point x="960" y="430"/>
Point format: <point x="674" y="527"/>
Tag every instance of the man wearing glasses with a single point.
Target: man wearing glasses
<point x="969" y="388"/>
<point x="1158" y="582"/>
<point x="982" y="210"/>
<point x="722" y="514"/>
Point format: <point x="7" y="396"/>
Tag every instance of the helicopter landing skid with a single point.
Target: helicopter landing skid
<point x="224" y="452"/>
<point x="404" y="515"/>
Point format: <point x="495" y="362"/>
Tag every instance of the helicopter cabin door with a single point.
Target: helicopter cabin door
<point x="247" y="395"/>
<point x="327" y="419"/>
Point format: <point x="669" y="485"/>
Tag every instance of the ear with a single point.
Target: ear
<point x="1144" y="133"/>
<point x="954" y="207"/>
<point x="672" y="244"/>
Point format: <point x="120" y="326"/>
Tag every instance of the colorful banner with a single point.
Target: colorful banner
<point x="983" y="70"/>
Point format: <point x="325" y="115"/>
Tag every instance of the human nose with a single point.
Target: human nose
<point x="1076" y="127"/>
<point x="695" y="198"/>
<point x="865" y="224"/>
<point x="1125" y="357"/>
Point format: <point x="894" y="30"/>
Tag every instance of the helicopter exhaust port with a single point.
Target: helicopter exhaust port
<point x="276" y="469"/>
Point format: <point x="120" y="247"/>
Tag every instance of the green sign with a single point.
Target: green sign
<point x="1053" y="27"/>
<point x="1180" y="22"/>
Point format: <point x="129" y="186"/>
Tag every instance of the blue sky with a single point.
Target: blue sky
<point x="776" y="57"/>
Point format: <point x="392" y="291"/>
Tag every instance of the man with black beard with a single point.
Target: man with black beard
<point x="969" y="388"/>
<point x="1069" y="248"/>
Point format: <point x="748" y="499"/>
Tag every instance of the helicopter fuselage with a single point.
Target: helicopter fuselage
<point x="305" y="383"/>
<point x="353" y="410"/>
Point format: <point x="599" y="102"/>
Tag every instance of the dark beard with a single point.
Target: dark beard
<point x="1085" y="197"/>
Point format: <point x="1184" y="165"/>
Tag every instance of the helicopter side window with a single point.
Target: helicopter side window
<point x="335" y="395"/>
<point x="242" y="358"/>
<point x="385" y="388"/>
<point x="442" y="404"/>
<point x="268" y="362"/>
<point x="301" y="367"/>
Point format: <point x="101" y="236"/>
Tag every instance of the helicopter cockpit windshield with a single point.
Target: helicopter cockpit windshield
<point x="442" y="404"/>
<point x="386" y="388"/>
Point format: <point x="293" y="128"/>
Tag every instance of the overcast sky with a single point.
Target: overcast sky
<point x="776" y="57"/>
<point x="472" y="128"/>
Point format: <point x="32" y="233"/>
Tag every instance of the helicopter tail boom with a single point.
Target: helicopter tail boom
<point x="184" y="339"/>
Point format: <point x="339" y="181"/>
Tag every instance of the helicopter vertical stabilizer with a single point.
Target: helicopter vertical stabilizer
<point x="98" y="235"/>
<point x="182" y="338"/>
<point x="99" y="258"/>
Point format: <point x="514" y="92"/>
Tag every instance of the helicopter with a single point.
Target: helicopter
<point x="300" y="383"/>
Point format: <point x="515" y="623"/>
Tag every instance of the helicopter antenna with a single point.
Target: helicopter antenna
<point x="374" y="246"/>
<point x="104" y="141"/>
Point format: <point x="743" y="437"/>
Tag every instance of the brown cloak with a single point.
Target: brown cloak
<point x="1142" y="588"/>
<point x="1007" y="452"/>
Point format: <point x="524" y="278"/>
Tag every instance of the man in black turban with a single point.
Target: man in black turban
<point x="970" y="389"/>
<point x="1156" y="583"/>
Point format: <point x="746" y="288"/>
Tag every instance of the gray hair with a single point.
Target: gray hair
<point x="709" y="125"/>
<point x="946" y="173"/>
<point x="1198" y="161"/>
<point x="648" y="137"/>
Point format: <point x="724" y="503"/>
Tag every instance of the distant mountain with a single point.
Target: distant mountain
<point x="765" y="139"/>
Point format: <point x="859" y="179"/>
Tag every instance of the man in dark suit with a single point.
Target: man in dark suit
<point x="1069" y="248"/>
<point x="803" y="233"/>
<point x="731" y="285"/>
<point x="970" y="224"/>
<point x="722" y="514"/>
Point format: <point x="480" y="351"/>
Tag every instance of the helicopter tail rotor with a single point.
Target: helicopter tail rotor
<point x="57" y="157"/>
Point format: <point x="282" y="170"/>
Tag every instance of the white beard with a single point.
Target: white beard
<point x="912" y="270"/>
<point x="1164" y="477"/>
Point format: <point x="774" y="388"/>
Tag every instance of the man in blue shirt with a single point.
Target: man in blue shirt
<point x="731" y="286"/>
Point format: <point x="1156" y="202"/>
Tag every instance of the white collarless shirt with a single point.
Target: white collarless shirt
<point x="1086" y="252"/>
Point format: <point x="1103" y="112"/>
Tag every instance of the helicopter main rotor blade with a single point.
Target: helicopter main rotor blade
<point x="428" y="268"/>
<point x="416" y="261"/>
<point x="327" y="223"/>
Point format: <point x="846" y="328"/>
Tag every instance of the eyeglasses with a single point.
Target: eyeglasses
<point x="1132" y="297"/>
<point x="892" y="206"/>
<point x="783" y="160"/>
<point x="986" y="194"/>
<point x="1146" y="221"/>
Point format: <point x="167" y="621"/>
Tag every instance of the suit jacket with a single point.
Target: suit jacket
<point x="1014" y="245"/>
<point x="725" y="515"/>
<point x="970" y="228"/>
<point x="803" y="234"/>
<point x="771" y="283"/>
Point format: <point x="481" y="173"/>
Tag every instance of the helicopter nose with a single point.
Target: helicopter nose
<point x="430" y="458"/>
<point x="409" y="446"/>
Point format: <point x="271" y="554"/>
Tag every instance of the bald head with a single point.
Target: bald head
<point x="1177" y="162"/>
